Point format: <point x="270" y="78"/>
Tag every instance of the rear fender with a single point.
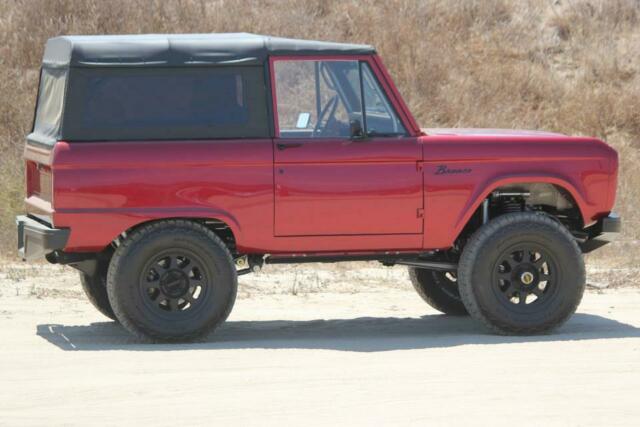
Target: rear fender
<point x="93" y="231"/>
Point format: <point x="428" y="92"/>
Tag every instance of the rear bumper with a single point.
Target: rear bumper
<point x="37" y="239"/>
<point x="606" y="230"/>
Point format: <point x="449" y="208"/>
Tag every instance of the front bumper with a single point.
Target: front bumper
<point x="37" y="239"/>
<point x="606" y="230"/>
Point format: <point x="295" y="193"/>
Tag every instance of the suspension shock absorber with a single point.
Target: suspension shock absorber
<point x="511" y="204"/>
<point x="485" y="210"/>
<point x="511" y="201"/>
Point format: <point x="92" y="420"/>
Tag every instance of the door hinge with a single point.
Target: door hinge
<point x="420" y="212"/>
<point x="419" y="166"/>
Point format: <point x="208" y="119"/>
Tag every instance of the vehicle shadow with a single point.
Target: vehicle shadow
<point x="364" y="334"/>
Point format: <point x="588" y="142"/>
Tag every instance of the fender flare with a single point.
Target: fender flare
<point x="144" y="216"/>
<point x="483" y="191"/>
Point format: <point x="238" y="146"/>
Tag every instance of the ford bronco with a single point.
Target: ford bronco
<point x="164" y="166"/>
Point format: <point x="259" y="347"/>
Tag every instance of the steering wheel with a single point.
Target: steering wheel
<point x="330" y="106"/>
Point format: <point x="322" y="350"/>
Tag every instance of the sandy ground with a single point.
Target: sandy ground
<point x="351" y="345"/>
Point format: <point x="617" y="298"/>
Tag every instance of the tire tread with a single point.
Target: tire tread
<point x="97" y="296"/>
<point x="425" y="288"/>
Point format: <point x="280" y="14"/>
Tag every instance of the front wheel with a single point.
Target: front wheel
<point x="521" y="274"/>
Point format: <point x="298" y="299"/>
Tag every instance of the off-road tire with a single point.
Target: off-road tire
<point x="438" y="290"/>
<point x="480" y="264"/>
<point x="127" y="292"/>
<point x="95" y="287"/>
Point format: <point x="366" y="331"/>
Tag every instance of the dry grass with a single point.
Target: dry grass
<point x="569" y="66"/>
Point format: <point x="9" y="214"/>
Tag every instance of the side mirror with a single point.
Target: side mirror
<point x="355" y="128"/>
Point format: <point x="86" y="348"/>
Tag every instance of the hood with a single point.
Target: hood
<point x="489" y="132"/>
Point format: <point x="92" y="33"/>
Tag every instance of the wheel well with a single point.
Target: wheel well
<point x="550" y="199"/>
<point x="219" y="227"/>
<point x="91" y="263"/>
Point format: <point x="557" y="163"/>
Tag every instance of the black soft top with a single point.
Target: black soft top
<point x="162" y="50"/>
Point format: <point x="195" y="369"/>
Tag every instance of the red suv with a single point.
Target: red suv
<point x="164" y="166"/>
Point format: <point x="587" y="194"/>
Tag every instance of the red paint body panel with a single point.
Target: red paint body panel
<point x="340" y="187"/>
<point x="325" y="196"/>
<point x="581" y="166"/>
<point x="102" y="189"/>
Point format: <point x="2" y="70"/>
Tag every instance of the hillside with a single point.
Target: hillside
<point x="568" y="66"/>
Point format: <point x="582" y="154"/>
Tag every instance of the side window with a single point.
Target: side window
<point x="381" y="118"/>
<point x="323" y="98"/>
<point x="316" y="98"/>
<point x="50" y="102"/>
<point x="166" y="103"/>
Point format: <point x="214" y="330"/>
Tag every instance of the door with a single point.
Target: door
<point x="338" y="171"/>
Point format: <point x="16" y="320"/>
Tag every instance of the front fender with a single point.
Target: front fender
<point x="451" y="200"/>
<point x="485" y="189"/>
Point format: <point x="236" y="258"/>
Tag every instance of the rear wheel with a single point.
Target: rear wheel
<point x="95" y="287"/>
<point x="522" y="273"/>
<point x="439" y="289"/>
<point x="172" y="281"/>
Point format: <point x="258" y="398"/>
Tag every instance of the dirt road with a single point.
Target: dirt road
<point x="316" y="355"/>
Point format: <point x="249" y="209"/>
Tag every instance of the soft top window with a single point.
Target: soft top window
<point x="165" y="103"/>
<point x="48" y="119"/>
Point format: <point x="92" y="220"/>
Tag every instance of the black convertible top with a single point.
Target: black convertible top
<point x="161" y="50"/>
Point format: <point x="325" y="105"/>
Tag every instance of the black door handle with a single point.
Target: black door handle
<point x="282" y="146"/>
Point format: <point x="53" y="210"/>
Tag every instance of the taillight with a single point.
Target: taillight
<point x="39" y="181"/>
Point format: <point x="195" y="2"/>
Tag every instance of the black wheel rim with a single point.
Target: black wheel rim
<point x="174" y="282"/>
<point x="525" y="276"/>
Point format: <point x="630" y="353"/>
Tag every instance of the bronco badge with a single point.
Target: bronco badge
<point x="443" y="169"/>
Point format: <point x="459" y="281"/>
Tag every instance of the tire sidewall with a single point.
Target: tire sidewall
<point x="128" y="300"/>
<point x="438" y="291"/>
<point x="95" y="288"/>
<point x="483" y="294"/>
